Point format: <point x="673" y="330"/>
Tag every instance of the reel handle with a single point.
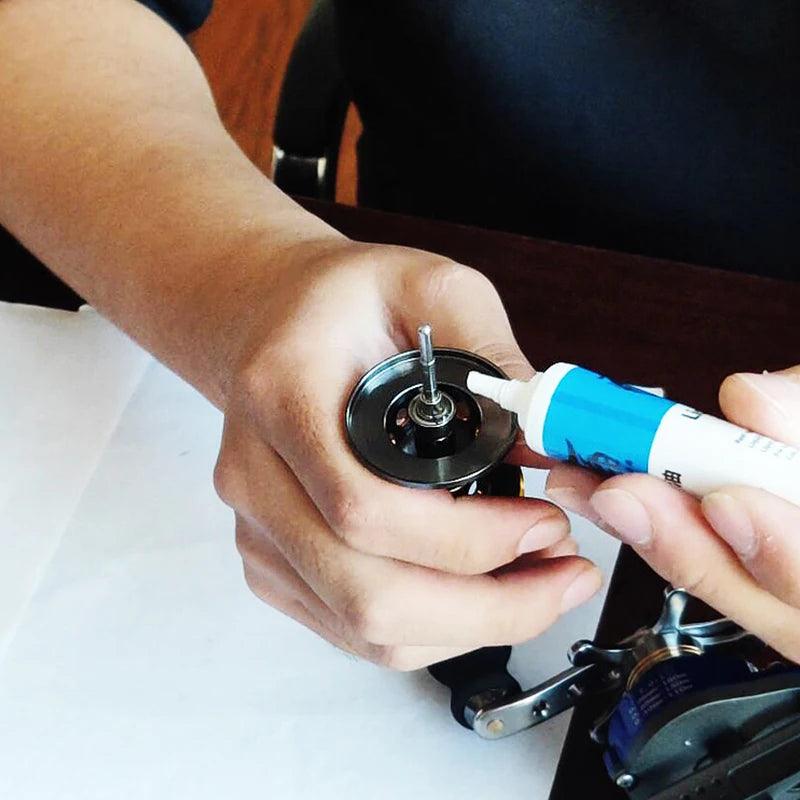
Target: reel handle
<point x="476" y="679"/>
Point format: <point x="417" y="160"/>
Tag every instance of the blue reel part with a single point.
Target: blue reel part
<point x="687" y="713"/>
<point x="694" y="710"/>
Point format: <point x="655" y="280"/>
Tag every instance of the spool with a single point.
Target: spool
<point x="382" y="432"/>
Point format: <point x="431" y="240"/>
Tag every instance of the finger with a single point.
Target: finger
<point x="572" y="488"/>
<point x="566" y="547"/>
<point x="764" y="531"/>
<point x="292" y="607"/>
<point x="272" y="579"/>
<point x="465" y="311"/>
<point x="521" y="455"/>
<point x="466" y="535"/>
<point x="398" y="658"/>
<point x="391" y="603"/>
<point x="667" y="528"/>
<point x="273" y="576"/>
<point x="767" y="403"/>
<point x="404" y="658"/>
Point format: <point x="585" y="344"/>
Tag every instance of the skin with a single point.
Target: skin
<point x="116" y="172"/>
<point x="738" y="548"/>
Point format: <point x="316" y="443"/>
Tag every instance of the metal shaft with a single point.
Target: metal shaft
<point x="430" y="392"/>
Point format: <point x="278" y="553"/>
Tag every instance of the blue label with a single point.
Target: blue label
<point x="599" y="424"/>
<point x="661" y="686"/>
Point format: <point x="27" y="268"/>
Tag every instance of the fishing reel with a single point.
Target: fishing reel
<point x="693" y="710"/>
<point x="696" y="710"/>
<point x="412" y="420"/>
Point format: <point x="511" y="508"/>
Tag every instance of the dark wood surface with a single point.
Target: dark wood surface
<point x="636" y="319"/>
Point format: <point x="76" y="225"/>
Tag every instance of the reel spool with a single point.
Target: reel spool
<point x="412" y="420"/>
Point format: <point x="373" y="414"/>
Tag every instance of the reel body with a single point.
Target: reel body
<point x="689" y="714"/>
<point x="699" y="725"/>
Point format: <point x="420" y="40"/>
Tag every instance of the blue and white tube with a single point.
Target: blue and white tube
<point x="571" y="414"/>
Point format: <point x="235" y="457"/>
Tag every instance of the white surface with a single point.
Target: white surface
<point x="143" y="668"/>
<point x="64" y="380"/>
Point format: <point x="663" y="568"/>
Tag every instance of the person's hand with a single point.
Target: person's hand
<point x="739" y="548"/>
<point x="402" y="577"/>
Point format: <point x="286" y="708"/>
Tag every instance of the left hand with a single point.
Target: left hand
<point x="737" y="549"/>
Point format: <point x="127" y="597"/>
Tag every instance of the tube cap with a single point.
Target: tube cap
<point x="511" y="395"/>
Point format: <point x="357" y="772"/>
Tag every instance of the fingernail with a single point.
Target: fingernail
<point x="729" y="518"/>
<point x="547" y="531"/>
<point x="566" y="547"/>
<point x="781" y="392"/>
<point x="571" y="499"/>
<point x="565" y="496"/>
<point x="583" y="588"/>
<point x="625" y="515"/>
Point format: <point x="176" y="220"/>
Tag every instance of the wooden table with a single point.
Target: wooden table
<point x="636" y="319"/>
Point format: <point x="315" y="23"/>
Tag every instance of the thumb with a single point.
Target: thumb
<point x="465" y="311"/>
<point x="768" y="403"/>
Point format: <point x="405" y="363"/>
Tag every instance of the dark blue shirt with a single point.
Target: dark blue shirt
<point x="669" y="128"/>
<point x="184" y="15"/>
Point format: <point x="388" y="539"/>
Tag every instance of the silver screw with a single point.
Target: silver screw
<point x="626" y="780"/>
<point x="430" y="392"/>
<point x="495" y="727"/>
<point x="431" y="408"/>
<point x="541" y="710"/>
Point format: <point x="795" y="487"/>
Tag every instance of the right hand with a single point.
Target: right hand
<point x="399" y="576"/>
<point x="737" y="548"/>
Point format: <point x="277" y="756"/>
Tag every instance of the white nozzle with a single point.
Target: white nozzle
<point x="511" y="395"/>
<point x="486" y="385"/>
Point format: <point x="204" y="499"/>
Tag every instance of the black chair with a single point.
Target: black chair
<point x="311" y="110"/>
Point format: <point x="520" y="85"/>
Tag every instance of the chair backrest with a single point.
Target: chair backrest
<point x="311" y="110"/>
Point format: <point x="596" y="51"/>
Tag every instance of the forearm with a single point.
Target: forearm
<point x="117" y="173"/>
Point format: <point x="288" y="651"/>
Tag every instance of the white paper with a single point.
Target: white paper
<point x="65" y="378"/>
<point x="143" y="668"/>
